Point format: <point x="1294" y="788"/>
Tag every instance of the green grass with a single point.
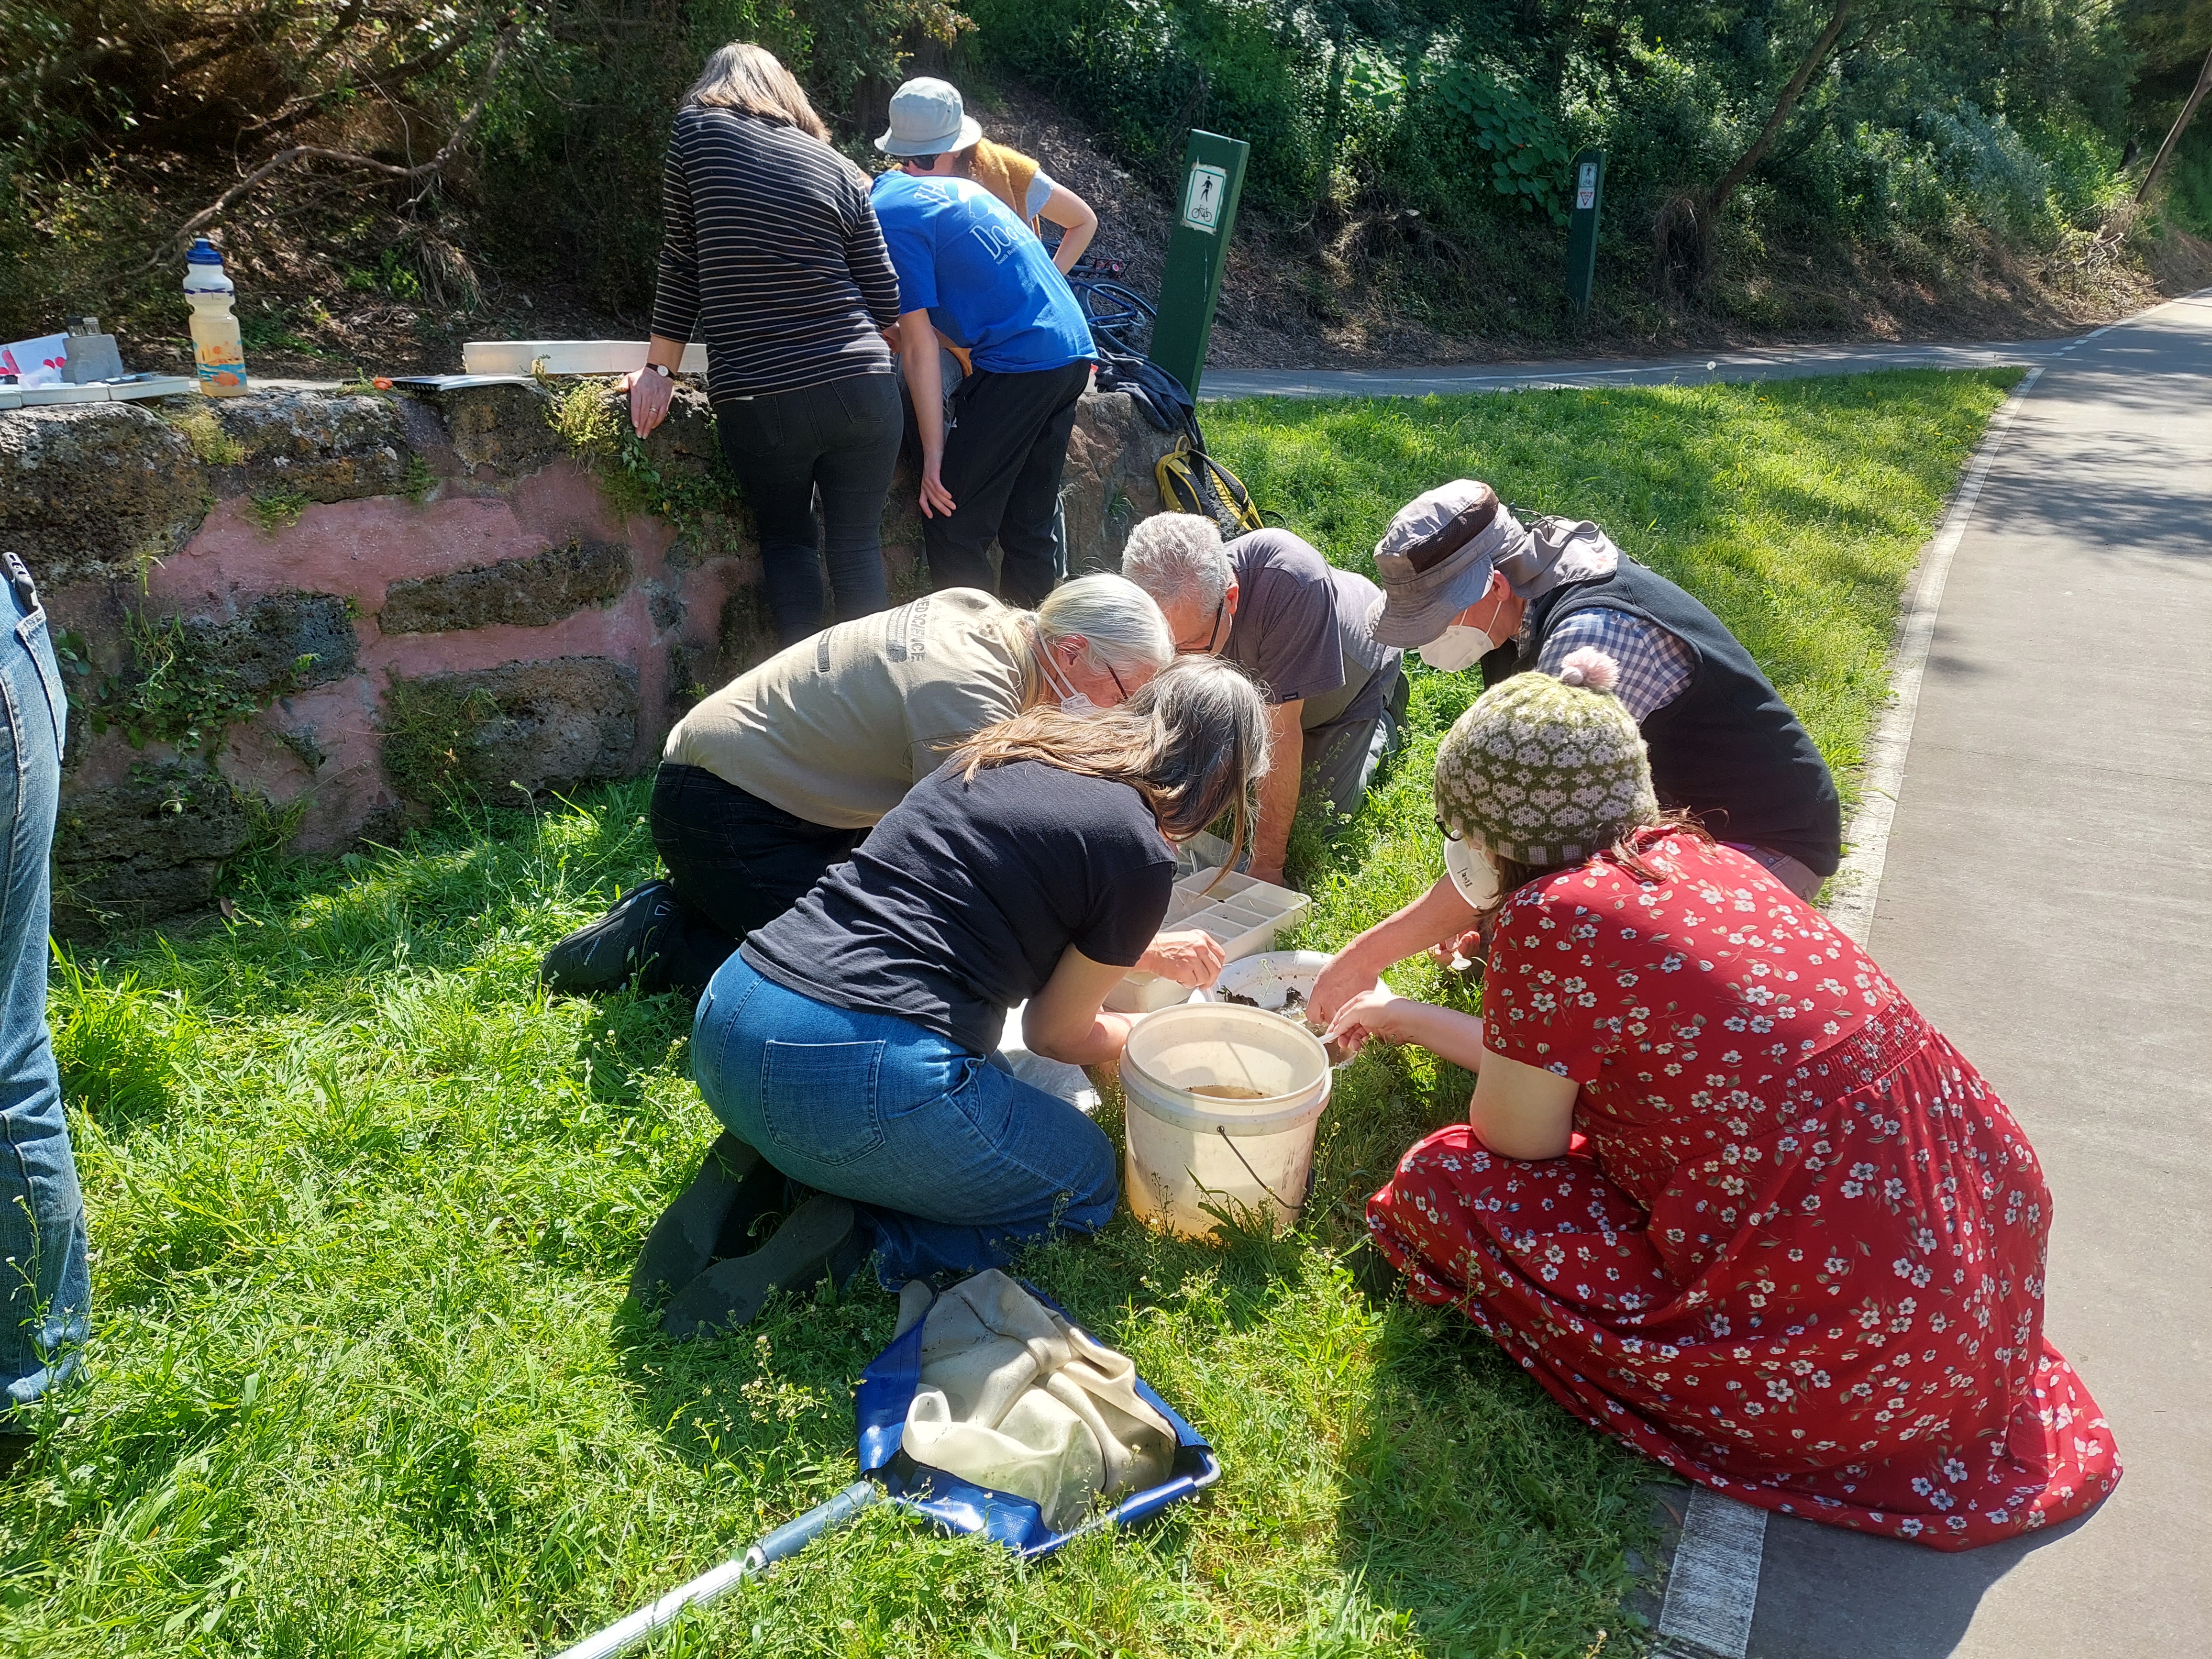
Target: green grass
<point x="1794" y="508"/>
<point x="363" y="1203"/>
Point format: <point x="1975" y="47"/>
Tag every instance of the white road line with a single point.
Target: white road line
<point x="1712" y="1587"/>
<point x="1858" y="883"/>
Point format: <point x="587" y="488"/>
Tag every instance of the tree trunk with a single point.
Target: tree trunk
<point x="1331" y="118"/>
<point x="1718" y="197"/>
<point x="2180" y="125"/>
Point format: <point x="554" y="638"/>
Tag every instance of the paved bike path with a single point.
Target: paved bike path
<point x="2047" y="901"/>
<point x="1693" y="368"/>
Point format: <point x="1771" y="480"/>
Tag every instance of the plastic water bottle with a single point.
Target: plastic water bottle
<point x="217" y="348"/>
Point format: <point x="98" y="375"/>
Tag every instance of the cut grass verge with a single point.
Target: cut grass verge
<point x="364" y="1201"/>
<point x="1794" y="508"/>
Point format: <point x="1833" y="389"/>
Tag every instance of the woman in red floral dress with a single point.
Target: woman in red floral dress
<point x="1723" y="1192"/>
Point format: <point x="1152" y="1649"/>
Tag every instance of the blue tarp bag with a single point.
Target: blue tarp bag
<point x="887" y="1390"/>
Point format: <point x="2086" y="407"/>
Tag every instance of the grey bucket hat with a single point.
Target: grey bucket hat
<point x="927" y="119"/>
<point x="1436" y="559"/>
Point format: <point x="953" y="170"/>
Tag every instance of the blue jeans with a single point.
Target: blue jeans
<point x="955" y="1162"/>
<point x="46" y="1288"/>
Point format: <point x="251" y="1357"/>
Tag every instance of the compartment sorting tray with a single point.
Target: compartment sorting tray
<point x="1244" y="916"/>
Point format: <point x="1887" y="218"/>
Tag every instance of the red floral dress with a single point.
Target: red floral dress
<point x="1798" y="1255"/>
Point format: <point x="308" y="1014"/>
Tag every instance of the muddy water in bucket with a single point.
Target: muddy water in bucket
<point x="1222" y="1105"/>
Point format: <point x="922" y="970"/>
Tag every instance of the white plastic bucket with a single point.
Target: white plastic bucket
<point x="1188" y="1149"/>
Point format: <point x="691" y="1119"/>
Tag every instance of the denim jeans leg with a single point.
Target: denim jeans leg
<point x="770" y="447"/>
<point x="991" y="1166"/>
<point x="955" y="1162"/>
<point x="46" y="1288"/>
<point x="852" y="478"/>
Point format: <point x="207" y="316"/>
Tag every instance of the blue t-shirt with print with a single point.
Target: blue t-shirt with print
<point x="982" y="275"/>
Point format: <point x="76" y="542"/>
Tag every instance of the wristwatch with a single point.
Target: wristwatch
<point x="662" y="370"/>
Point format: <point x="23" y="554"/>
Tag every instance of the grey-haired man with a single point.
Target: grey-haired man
<point x="1269" y="603"/>
<point x="1465" y="581"/>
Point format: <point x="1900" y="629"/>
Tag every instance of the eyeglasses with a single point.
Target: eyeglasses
<point x="1212" y="628"/>
<point x="1118" y="686"/>
<point x="925" y="162"/>
<point x="1445" y="829"/>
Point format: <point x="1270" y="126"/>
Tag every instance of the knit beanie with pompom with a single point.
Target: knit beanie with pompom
<point x="1547" y="771"/>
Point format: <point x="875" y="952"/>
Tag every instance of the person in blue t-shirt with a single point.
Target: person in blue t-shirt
<point x="969" y="270"/>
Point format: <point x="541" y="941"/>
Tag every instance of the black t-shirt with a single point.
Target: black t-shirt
<point x="961" y="903"/>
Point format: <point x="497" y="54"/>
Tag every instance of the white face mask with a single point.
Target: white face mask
<point x="1470" y="873"/>
<point x="1458" y="647"/>
<point x="1072" y="702"/>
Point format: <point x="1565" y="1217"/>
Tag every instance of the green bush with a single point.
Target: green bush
<point x="1928" y="128"/>
<point x="2082" y="167"/>
<point x="1664" y="121"/>
<point x="1468" y="148"/>
<point x="1146" y="71"/>
<point x="2189" y="184"/>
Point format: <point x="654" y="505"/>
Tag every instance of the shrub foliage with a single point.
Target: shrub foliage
<point x="413" y="146"/>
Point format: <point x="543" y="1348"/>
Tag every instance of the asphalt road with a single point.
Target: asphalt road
<point x="1697" y="369"/>
<point x="2047" y="901"/>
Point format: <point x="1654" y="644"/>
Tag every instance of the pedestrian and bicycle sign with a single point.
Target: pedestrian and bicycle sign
<point x="1207" y="189"/>
<point x="1582" y="227"/>
<point x="1198" y="250"/>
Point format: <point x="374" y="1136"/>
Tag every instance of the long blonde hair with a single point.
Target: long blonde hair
<point x="744" y="76"/>
<point x="1192" y="743"/>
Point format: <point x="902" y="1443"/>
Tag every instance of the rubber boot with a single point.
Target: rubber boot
<point x="712" y="1217"/>
<point x="729" y="1293"/>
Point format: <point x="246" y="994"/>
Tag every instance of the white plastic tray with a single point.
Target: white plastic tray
<point x="1243" y="915"/>
<point x="567" y="357"/>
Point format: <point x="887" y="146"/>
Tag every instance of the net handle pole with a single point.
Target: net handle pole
<point x="785" y="1541"/>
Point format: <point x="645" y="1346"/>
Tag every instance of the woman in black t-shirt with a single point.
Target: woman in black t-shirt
<point x="849" y="1039"/>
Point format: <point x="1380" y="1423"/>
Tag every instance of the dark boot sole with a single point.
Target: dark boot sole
<point x="729" y="1293"/>
<point x="733" y="1188"/>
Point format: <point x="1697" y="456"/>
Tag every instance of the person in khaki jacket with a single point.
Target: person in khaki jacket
<point x="779" y="775"/>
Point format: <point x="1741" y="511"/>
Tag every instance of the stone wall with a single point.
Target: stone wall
<point x="307" y="617"/>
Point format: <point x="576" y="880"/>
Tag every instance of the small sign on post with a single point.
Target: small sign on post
<point x="1582" y="227"/>
<point x="1198" y="252"/>
<point x="1201" y="208"/>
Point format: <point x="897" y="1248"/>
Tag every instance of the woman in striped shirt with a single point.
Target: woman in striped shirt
<point x="770" y="249"/>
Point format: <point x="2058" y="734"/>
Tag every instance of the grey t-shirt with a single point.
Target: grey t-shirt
<point x="1304" y="629"/>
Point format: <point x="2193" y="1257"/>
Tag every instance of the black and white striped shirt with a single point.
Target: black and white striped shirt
<point x="770" y="253"/>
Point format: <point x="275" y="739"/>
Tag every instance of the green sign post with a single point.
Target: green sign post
<point x="1582" y="227"/>
<point x="1198" y="250"/>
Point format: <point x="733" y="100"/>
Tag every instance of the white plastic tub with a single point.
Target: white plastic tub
<point x="1188" y="1149"/>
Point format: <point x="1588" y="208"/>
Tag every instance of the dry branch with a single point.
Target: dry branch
<point x="298" y="154"/>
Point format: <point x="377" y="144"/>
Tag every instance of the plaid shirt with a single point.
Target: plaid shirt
<point x="1655" y="666"/>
